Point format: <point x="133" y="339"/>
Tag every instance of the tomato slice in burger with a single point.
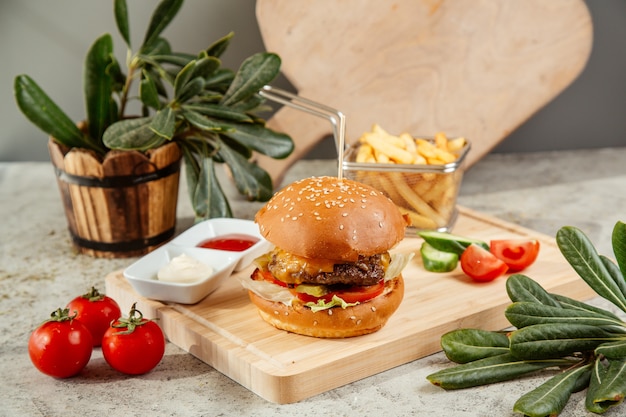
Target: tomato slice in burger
<point x="481" y="265"/>
<point x="518" y="254"/>
<point x="356" y="294"/>
<point x="259" y="274"/>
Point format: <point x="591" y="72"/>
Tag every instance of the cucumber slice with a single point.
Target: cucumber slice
<point x="447" y="242"/>
<point x="438" y="261"/>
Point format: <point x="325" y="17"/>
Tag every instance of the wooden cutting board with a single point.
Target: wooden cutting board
<point x="225" y="331"/>
<point x="476" y="68"/>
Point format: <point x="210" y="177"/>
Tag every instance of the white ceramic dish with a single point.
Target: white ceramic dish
<point x="142" y="274"/>
<point x="223" y="226"/>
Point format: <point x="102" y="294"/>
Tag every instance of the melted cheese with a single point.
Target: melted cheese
<point x="288" y="267"/>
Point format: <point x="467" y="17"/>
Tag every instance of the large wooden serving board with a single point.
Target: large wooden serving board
<point x="476" y="68"/>
<point x="225" y="330"/>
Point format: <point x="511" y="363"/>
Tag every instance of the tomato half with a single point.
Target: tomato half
<point x="518" y="254"/>
<point x="61" y="347"/>
<point x="133" y="345"/>
<point x="481" y="265"/>
<point x="96" y="311"/>
<point x="356" y="294"/>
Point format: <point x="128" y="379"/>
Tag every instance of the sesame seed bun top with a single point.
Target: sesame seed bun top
<point x="331" y="218"/>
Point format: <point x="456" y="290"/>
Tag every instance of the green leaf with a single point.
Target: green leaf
<point x="157" y="50"/>
<point x="488" y="371"/>
<point x="521" y="288"/>
<point x="261" y="139"/>
<point x="206" y="67"/>
<point x="175" y="58"/>
<point x="201" y="122"/>
<point x="183" y="77"/>
<point x="219" y="46"/>
<point x="582" y="256"/>
<point x="220" y="80"/>
<point x="207" y="198"/>
<point x="615" y="273"/>
<point x="255" y="72"/>
<point x="190" y="90"/>
<point x="161" y="18"/>
<point x="572" y="304"/>
<point x="598" y="375"/>
<point x="618" y="240"/>
<point x="132" y="134"/>
<point x="164" y="123"/>
<point x="251" y="180"/>
<point x="608" y="386"/>
<point x="216" y="111"/>
<point x="467" y="345"/>
<point x="47" y="116"/>
<point x="148" y="92"/>
<point x="523" y="314"/>
<point x="612" y="350"/>
<point x="550" y="398"/>
<point x="543" y="341"/>
<point x="121" y="19"/>
<point x="98" y="86"/>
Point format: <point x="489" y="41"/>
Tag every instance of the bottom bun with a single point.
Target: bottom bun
<point x="336" y="322"/>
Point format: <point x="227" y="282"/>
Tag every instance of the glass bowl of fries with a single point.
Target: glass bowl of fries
<point x="422" y="176"/>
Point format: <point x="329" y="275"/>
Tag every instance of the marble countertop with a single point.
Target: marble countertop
<point x="40" y="272"/>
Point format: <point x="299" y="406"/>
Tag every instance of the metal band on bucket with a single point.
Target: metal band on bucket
<point x="119" y="180"/>
<point x="123" y="246"/>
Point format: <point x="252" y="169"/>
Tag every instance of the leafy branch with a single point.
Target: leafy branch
<point x="210" y="111"/>
<point x="585" y="345"/>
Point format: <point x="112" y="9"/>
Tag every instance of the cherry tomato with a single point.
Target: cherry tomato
<point x="133" y="345"/>
<point x="96" y="311"/>
<point x="61" y="346"/>
<point x="481" y="265"/>
<point x="355" y="294"/>
<point x="518" y="254"/>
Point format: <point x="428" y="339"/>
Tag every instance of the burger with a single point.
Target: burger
<point x="330" y="273"/>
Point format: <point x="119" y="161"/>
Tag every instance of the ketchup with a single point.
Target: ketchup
<point x="233" y="242"/>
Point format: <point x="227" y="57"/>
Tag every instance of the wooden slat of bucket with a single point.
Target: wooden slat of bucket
<point x="133" y="221"/>
<point x="163" y="212"/>
<point x="89" y="204"/>
<point x="57" y="156"/>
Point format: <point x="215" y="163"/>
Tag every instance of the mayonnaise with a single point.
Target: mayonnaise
<point x="184" y="269"/>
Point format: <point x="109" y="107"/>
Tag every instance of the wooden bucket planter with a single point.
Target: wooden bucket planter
<point x="121" y="206"/>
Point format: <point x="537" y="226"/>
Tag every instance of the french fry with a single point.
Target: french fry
<point x="417" y="202"/>
<point x="455" y="145"/>
<point x="426" y="198"/>
<point x="365" y="154"/>
<point x="441" y="141"/>
<point x="393" y="152"/>
<point x="417" y="220"/>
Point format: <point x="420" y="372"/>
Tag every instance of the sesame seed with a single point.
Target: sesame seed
<point x="330" y="312"/>
<point x="373" y="308"/>
<point x="344" y="214"/>
<point x="276" y="312"/>
<point x="341" y="227"/>
<point x="352" y="317"/>
<point x="358" y="322"/>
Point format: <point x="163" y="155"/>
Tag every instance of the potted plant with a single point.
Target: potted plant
<point x="189" y="107"/>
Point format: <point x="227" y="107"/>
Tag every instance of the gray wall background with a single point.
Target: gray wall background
<point x="48" y="40"/>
